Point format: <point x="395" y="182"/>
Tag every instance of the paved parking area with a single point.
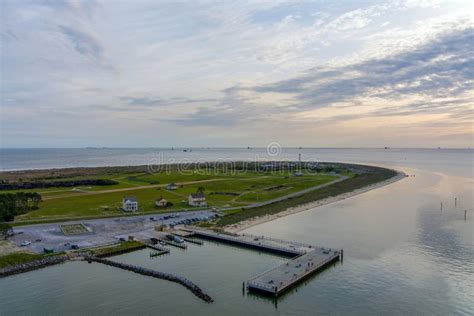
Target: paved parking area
<point x="100" y="231"/>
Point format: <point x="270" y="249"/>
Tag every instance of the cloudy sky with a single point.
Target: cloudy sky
<point x="232" y="73"/>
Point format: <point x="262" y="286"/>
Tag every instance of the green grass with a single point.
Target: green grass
<point x="348" y="185"/>
<point x="118" y="248"/>
<point x="250" y="187"/>
<point x="20" y="258"/>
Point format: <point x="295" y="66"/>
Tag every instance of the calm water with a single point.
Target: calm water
<point x="403" y="255"/>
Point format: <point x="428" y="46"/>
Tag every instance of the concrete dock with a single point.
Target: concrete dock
<point x="305" y="260"/>
<point x="282" y="247"/>
<point x="283" y="277"/>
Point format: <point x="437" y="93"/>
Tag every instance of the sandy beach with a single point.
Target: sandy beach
<point x="235" y="228"/>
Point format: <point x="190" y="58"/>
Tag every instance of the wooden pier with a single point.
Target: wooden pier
<point x="305" y="260"/>
<point x="157" y="250"/>
<point x="173" y="243"/>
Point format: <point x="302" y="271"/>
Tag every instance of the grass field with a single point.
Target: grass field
<point x="228" y="191"/>
<point x="116" y="249"/>
<point x="20" y="258"/>
<point x="348" y="185"/>
<point x="222" y="189"/>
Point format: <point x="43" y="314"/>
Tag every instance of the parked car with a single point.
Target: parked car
<point x="25" y="243"/>
<point x="74" y="247"/>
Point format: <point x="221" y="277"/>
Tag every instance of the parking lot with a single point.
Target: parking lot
<point x="99" y="231"/>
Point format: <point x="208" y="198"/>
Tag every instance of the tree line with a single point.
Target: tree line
<point x="54" y="184"/>
<point x="12" y="204"/>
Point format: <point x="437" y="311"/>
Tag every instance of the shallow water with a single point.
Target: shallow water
<point x="403" y="255"/>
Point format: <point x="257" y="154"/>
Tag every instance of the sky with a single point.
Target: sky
<point x="123" y="73"/>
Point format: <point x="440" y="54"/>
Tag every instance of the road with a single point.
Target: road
<point x="101" y="231"/>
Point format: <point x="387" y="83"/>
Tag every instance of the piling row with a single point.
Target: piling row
<point x="175" y="244"/>
<point x="156" y="253"/>
<point x="157" y="247"/>
<point x="156" y="274"/>
<point x="193" y="241"/>
<point x="157" y="250"/>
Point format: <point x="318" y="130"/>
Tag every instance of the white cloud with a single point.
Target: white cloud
<point x="166" y="64"/>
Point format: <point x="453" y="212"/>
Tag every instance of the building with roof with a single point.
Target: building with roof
<point x="161" y="202"/>
<point x="129" y="204"/>
<point x="197" y="199"/>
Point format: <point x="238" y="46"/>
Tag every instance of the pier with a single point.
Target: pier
<point x="193" y="241"/>
<point x="283" y="277"/>
<point x="157" y="250"/>
<point x="173" y="243"/>
<point x="305" y="260"/>
<point x="281" y="247"/>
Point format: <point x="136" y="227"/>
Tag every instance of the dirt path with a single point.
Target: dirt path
<point x="128" y="189"/>
<point x="86" y="193"/>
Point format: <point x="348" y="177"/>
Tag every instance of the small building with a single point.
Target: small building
<point x="129" y="204"/>
<point x="161" y="202"/>
<point x="171" y="186"/>
<point x="197" y="199"/>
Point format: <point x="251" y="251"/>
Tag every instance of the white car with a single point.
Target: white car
<point x="25" y="243"/>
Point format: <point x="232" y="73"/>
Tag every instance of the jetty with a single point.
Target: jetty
<point x="196" y="290"/>
<point x="305" y="260"/>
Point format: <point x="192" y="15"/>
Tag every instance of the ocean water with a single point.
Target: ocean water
<point x="403" y="254"/>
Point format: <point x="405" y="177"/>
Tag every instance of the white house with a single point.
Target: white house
<point x="161" y="202"/>
<point x="197" y="199"/>
<point x="129" y="204"/>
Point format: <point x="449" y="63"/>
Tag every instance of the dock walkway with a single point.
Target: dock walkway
<point x="286" y="248"/>
<point x="281" y="278"/>
<point x="305" y="260"/>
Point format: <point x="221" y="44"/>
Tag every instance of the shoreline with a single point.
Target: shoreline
<point x="238" y="227"/>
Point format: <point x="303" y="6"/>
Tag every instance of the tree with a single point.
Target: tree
<point x="35" y="198"/>
<point x="200" y="190"/>
<point x="5" y="230"/>
<point x="12" y="204"/>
